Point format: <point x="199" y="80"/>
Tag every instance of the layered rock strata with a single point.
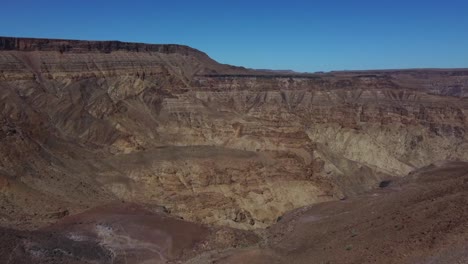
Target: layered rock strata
<point x="84" y="123"/>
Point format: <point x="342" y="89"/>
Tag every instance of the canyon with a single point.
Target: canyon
<point x="104" y="142"/>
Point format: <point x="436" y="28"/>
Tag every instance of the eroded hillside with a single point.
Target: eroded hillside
<point x="87" y="123"/>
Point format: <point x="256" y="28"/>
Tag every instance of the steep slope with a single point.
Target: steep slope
<point x="85" y="123"/>
<point x="418" y="219"/>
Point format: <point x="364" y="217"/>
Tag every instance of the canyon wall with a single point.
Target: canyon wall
<point x="86" y="123"/>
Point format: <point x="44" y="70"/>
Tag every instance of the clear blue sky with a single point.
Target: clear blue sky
<point x="299" y="35"/>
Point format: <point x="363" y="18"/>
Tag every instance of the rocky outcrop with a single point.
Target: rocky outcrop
<point x="79" y="46"/>
<point x="164" y="124"/>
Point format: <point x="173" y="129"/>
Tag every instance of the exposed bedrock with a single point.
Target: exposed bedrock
<point x="212" y="143"/>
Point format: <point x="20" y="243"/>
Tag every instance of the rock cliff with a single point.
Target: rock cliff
<point x="83" y="123"/>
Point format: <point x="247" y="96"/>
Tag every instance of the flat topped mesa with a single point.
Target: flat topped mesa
<point x="81" y="46"/>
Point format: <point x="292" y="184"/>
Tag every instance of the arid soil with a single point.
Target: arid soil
<point x="117" y="233"/>
<point x="417" y="219"/>
<point x="114" y="152"/>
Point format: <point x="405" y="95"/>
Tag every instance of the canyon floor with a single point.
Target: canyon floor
<point x="115" y="152"/>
